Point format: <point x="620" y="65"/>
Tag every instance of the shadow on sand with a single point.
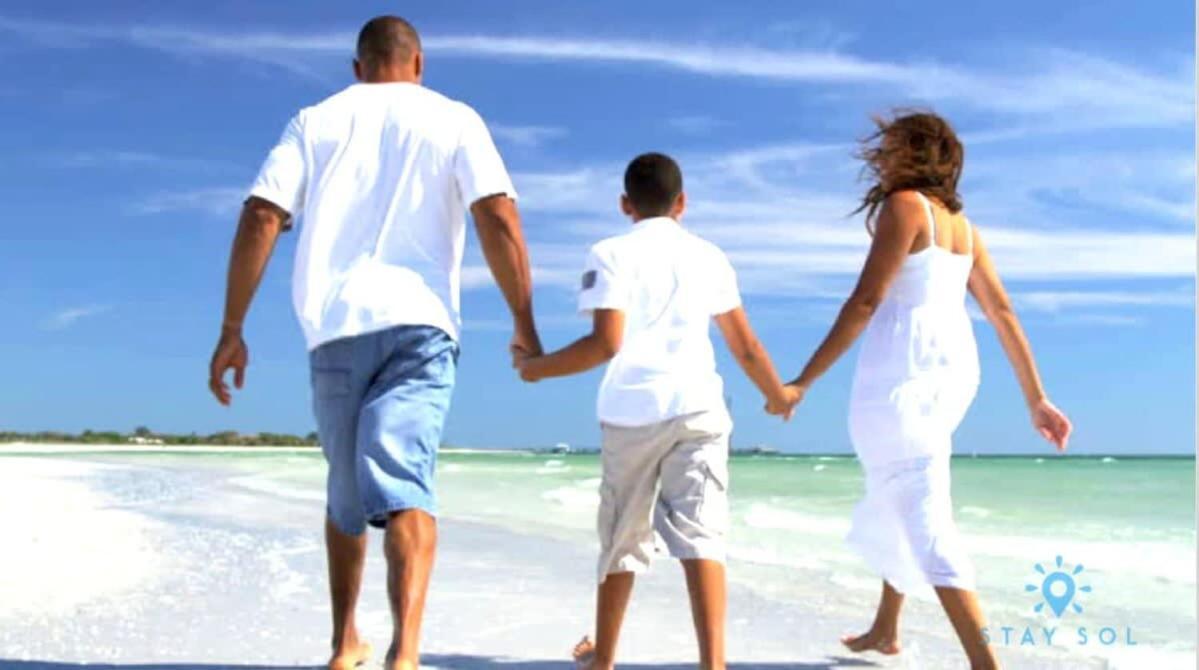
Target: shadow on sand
<point x="447" y="661"/>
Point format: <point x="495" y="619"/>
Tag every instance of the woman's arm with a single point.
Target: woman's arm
<point x="987" y="289"/>
<point x="899" y="223"/>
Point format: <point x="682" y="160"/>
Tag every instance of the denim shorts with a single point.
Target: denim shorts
<point x="380" y="401"/>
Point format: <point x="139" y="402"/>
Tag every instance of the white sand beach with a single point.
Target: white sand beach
<point x="131" y="561"/>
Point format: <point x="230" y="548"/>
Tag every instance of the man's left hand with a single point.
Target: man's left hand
<point x="231" y="352"/>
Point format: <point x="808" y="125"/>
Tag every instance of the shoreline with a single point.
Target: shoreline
<point x="50" y="448"/>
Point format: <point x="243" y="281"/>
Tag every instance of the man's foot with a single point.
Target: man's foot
<point x="350" y="656"/>
<point x="886" y="644"/>
<point x="584" y="656"/>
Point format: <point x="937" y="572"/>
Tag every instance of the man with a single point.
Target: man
<point x="381" y="175"/>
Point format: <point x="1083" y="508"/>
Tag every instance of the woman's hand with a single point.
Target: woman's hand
<point x="784" y="404"/>
<point x="1051" y="423"/>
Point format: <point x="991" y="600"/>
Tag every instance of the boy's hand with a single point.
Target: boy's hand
<point x="524" y="363"/>
<point x="784" y="403"/>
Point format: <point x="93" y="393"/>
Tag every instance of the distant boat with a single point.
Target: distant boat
<point x="763" y="450"/>
<point x="561" y="448"/>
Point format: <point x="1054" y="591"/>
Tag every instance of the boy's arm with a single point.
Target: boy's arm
<point x="752" y="356"/>
<point x="596" y="348"/>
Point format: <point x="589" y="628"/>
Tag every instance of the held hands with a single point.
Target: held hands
<point x="231" y="352"/>
<point x="525" y="365"/>
<point x="1051" y="423"/>
<point x="783" y="404"/>
<point x="525" y="347"/>
<point x="524" y="362"/>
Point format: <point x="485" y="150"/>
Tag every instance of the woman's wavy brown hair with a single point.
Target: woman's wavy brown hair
<point x="913" y="150"/>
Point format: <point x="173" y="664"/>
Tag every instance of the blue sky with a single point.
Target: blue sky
<point x="132" y="130"/>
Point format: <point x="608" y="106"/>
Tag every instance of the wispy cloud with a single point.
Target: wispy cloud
<point x="219" y="201"/>
<point x="68" y="317"/>
<point x="108" y="158"/>
<point x="1087" y="89"/>
<point x="526" y="136"/>
<point x="780" y="212"/>
<point x="1056" y="301"/>
<point x="695" y="124"/>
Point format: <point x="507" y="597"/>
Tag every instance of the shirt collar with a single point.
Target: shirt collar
<point x="656" y="222"/>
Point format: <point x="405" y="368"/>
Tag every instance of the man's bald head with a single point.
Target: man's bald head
<point x="388" y="45"/>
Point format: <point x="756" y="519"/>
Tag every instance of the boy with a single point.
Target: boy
<point x="652" y="293"/>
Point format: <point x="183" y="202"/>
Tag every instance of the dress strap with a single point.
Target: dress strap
<point x="969" y="236"/>
<point x="932" y="221"/>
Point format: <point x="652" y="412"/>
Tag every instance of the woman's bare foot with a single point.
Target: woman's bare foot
<point x="390" y="662"/>
<point x="584" y="655"/>
<point x="886" y="644"/>
<point x="350" y="656"/>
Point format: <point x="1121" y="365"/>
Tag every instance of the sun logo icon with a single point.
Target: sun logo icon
<point x="1058" y="588"/>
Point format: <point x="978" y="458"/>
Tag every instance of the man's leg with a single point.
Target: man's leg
<point x="410" y="546"/>
<point x="338" y="387"/>
<point x="347" y="555"/>
<point x="709" y="601"/>
<point x="399" y="432"/>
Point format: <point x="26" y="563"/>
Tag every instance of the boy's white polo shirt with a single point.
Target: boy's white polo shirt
<point x="381" y="177"/>
<point x="669" y="283"/>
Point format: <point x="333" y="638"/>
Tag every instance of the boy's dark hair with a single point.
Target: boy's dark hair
<point x="652" y="183"/>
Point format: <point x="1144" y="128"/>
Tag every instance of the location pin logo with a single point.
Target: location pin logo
<point x="1058" y="588"/>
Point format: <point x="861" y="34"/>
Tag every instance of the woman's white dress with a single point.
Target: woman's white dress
<point x="916" y="376"/>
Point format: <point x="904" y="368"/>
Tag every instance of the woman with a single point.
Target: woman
<point x="917" y="373"/>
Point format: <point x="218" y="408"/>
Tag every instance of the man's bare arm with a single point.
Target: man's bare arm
<point x="257" y="231"/>
<point x="498" y="223"/>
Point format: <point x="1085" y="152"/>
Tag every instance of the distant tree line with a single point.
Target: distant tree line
<point x="143" y="435"/>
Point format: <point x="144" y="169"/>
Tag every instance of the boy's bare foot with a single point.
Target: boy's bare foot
<point x="350" y="656"/>
<point x="886" y="644"/>
<point x="584" y="655"/>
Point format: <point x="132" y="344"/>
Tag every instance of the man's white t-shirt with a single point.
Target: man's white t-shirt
<point x="381" y="177"/>
<point x="669" y="283"/>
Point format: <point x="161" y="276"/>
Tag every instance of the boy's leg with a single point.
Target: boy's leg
<point x="629" y="458"/>
<point x="706" y="586"/>
<point x="612" y="600"/>
<point x="883" y="635"/>
<point x="692" y="516"/>
<point x="967" y="618"/>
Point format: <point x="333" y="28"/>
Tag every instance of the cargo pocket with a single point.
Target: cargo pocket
<point x="605" y="524"/>
<point x="713" y="513"/>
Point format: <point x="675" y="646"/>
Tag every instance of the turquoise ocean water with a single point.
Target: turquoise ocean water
<point x="1128" y="522"/>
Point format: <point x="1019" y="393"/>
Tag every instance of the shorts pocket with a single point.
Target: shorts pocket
<point x="713" y="511"/>
<point x="330" y="382"/>
<point x="606" y="519"/>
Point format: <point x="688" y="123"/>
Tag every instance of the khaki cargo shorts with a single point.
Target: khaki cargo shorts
<point x="669" y="480"/>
